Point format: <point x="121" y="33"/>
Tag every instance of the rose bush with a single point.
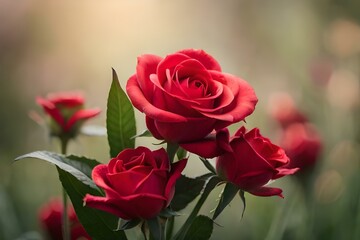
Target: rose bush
<point x="138" y="183"/>
<point x="66" y="112"/>
<point x="186" y="95"/>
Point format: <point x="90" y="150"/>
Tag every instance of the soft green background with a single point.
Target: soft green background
<point x="49" y="46"/>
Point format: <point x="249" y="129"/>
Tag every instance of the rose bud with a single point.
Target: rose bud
<point x="185" y="95"/>
<point x="66" y="112"/>
<point x="250" y="161"/>
<point x="138" y="183"/>
<point x="302" y="143"/>
<point x="50" y="216"/>
<point x="247" y="159"/>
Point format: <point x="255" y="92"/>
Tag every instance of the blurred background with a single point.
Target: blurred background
<point x="304" y="54"/>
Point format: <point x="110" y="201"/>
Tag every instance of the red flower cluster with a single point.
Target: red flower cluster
<point x="189" y="101"/>
<point x="50" y="216"/>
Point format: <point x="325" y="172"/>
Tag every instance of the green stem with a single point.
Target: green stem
<point x="210" y="184"/>
<point x="171" y="149"/>
<point x="65" y="220"/>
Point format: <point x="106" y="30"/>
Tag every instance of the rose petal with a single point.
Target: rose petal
<point x="99" y="175"/>
<point x="169" y="63"/>
<point x="206" y="147"/>
<point x="140" y="102"/>
<point x="51" y="109"/>
<point x="147" y="65"/>
<point x="153" y="183"/>
<point x="105" y="204"/>
<point x="82" y="114"/>
<point x="162" y="159"/>
<point x="150" y="124"/>
<point x="175" y="173"/>
<point x="66" y="99"/>
<point x="125" y="183"/>
<point x="267" y="191"/>
<point x="208" y="61"/>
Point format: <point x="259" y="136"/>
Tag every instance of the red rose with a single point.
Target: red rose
<point x="185" y="95"/>
<point x="302" y="144"/>
<point x="66" y="111"/>
<point x="138" y="183"/>
<point x="50" y="216"/>
<point x="250" y="161"/>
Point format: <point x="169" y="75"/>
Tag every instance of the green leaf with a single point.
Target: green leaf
<point x="156" y="231"/>
<point x="227" y="196"/>
<point x="169" y="227"/>
<point x="186" y="190"/>
<point x="210" y="184"/>
<point x="120" y="119"/>
<point x="98" y="224"/>
<point x="79" y="167"/>
<point x="200" y="229"/>
<point x="144" y="133"/>
<point x="168" y="212"/>
<point x="181" y="153"/>
<point x="242" y="196"/>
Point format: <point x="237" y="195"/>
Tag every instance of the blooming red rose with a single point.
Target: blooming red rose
<point x="138" y="183"/>
<point x="247" y="159"/>
<point x="186" y="95"/>
<point x="66" y="111"/>
<point x="50" y="216"/>
<point x="251" y="161"/>
<point x="302" y="143"/>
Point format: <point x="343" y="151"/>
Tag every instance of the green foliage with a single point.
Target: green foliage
<point x="98" y="224"/>
<point x="73" y="165"/>
<point x="120" y="119"/>
<point x="210" y="184"/>
<point x="227" y="196"/>
<point x="156" y="231"/>
<point x="181" y="153"/>
<point x="200" y="229"/>
<point x="127" y="224"/>
<point x="186" y="190"/>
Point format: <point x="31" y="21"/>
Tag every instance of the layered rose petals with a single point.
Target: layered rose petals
<point x="247" y="159"/>
<point x="185" y="96"/>
<point x="138" y="183"/>
<point x="250" y="161"/>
